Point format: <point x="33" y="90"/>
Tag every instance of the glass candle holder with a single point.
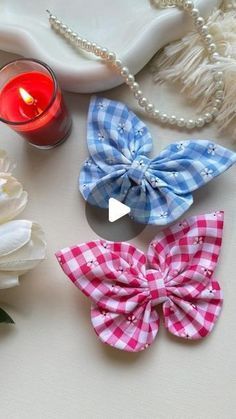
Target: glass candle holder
<point x="31" y="103"/>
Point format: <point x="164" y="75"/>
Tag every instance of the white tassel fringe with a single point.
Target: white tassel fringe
<point x="186" y="61"/>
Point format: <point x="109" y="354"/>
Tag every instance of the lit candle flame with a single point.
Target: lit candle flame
<point x="27" y="98"/>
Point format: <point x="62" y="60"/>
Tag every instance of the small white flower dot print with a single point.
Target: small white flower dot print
<point x="145" y="347"/>
<point x="207" y="173"/>
<point x="163" y="214"/>
<point x="131" y="319"/>
<point x="139" y="132"/>
<point x="183" y="224"/>
<point x="92" y="263"/>
<point x="198" y="240"/>
<point x="101" y="106"/>
<point x="115" y="289"/>
<point x="106" y="245"/>
<point x="154" y="182"/>
<point x="101" y="136"/>
<point x="174" y="174"/>
<point x="211" y="290"/>
<point x="180" y="146"/>
<point x="121" y="128"/>
<point x="218" y="214"/>
<point x="105" y="313"/>
<point x="88" y="163"/>
<point x="185" y="335"/>
<point x="111" y="160"/>
<point x="211" y="149"/>
<point x="206" y="271"/>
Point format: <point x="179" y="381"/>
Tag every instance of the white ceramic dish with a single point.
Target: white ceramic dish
<point x="134" y="29"/>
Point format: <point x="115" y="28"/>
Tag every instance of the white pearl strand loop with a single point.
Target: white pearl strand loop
<point x="112" y="60"/>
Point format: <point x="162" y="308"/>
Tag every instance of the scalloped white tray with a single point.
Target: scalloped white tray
<point x="134" y="29"/>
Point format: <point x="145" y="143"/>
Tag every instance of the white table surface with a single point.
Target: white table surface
<point x="51" y="363"/>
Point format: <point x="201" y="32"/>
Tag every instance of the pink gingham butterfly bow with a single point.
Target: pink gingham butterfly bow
<point x="126" y="286"/>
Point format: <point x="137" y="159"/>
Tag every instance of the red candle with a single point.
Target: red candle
<point x="32" y="104"/>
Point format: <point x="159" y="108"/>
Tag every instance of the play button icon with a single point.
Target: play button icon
<point x="117" y="210"/>
<point x="114" y="223"/>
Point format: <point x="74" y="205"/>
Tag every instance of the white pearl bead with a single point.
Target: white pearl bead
<point x="88" y="46"/>
<point x="98" y="50"/>
<point x="190" y="124"/>
<point x="215" y="56"/>
<point x="78" y="41"/>
<point x="118" y="63"/>
<point x="200" y="122"/>
<point x="73" y="37"/>
<point x="124" y="72"/>
<point x="188" y="5"/>
<point x="143" y="102"/>
<point x="138" y="94"/>
<point x="208" y="38"/>
<point x="134" y="86"/>
<point x="204" y="31"/>
<point x="63" y="28"/>
<point x="94" y="46"/>
<point x="68" y="33"/>
<point x="111" y="56"/>
<point x="149" y="107"/>
<point x="84" y="43"/>
<point x="195" y="12"/>
<point x="208" y="117"/>
<point x="215" y="111"/>
<point x="181" y="122"/>
<point x="104" y="52"/>
<point x="199" y="21"/>
<point x="130" y="79"/>
<point x="57" y="24"/>
<point x="217" y="103"/>
<point x="156" y="113"/>
<point x="173" y="120"/>
<point x="164" y="118"/>
<point x="212" y="47"/>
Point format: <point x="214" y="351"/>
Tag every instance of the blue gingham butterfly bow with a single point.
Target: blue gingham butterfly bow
<point x="158" y="190"/>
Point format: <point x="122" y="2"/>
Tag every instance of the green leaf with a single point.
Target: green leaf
<point x="4" y="317"/>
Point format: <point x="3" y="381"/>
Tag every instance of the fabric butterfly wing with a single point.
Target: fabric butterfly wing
<point x="187" y="255"/>
<point x="115" y="136"/>
<point x="186" y="166"/>
<point x="113" y="276"/>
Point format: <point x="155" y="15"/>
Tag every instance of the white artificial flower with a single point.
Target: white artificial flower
<point x="5" y="163"/>
<point x="22" y="247"/>
<point x="13" y="198"/>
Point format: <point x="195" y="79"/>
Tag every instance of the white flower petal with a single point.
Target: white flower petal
<point x="8" y="280"/>
<point x="5" y="163"/>
<point x="13" y="198"/>
<point x="22" y="246"/>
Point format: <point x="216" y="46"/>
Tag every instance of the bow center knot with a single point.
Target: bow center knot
<point x="138" y="169"/>
<point x="157" y="287"/>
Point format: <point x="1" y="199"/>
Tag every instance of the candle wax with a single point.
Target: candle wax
<point x="47" y="129"/>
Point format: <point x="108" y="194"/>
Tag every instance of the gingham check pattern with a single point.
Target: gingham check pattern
<point x="158" y="191"/>
<point x="125" y="286"/>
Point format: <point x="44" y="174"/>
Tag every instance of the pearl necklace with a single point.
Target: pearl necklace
<point x="112" y="60"/>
